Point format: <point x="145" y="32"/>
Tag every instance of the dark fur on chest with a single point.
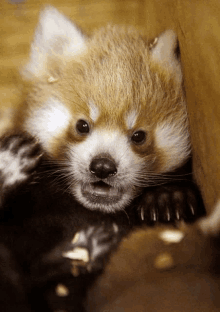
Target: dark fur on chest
<point x="39" y="218"/>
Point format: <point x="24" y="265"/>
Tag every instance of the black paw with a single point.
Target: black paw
<point x="63" y="276"/>
<point x="86" y="253"/>
<point x="170" y="203"/>
<point x="19" y="157"/>
<point x="91" y="247"/>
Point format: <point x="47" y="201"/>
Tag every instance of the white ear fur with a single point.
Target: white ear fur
<point x="164" y="53"/>
<point x="55" y="35"/>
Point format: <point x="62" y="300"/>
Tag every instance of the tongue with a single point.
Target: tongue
<point x="101" y="188"/>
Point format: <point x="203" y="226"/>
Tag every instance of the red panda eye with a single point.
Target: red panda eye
<point x="82" y="126"/>
<point x="138" y="137"/>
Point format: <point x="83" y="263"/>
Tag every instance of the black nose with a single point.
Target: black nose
<point x="103" y="167"/>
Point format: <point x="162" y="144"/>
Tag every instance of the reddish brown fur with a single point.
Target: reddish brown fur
<point x="115" y="73"/>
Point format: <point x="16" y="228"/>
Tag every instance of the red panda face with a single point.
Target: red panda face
<point x="105" y="166"/>
<point x="105" y="171"/>
<point x="109" y="107"/>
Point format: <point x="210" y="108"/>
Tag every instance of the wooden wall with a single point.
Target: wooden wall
<point x="198" y="27"/>
<point x="197" y="23"/>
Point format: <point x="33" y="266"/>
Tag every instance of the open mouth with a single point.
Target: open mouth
<point x="101" y="192"/>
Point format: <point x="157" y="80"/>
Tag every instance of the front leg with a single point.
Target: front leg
<point x="19" y="156"/>
<point x="170" y="202"/>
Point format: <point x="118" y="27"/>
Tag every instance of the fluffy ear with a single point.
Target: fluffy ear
<point x="55" y="35"/>
<point x="164" y="53"/>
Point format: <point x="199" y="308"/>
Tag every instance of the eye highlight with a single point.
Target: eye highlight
<point x="138" y="137"/>
<point x="82" y="127"/>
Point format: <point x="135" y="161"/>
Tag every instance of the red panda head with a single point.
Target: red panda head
<point x="108" y="106"/>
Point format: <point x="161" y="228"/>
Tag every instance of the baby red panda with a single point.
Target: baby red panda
<point x="110" y="109"/>
<point x="100" y="137"/>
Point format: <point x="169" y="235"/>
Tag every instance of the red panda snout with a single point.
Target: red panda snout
<point x="104" y="170"/>
<point x="103" y="167"/>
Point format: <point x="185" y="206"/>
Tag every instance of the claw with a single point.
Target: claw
<point x="177" y="215"/>
<point x="142" y="213"/>
<point x="153" y="215"/>
<point x="192" y="209"/>
<point x="168" y="217"/>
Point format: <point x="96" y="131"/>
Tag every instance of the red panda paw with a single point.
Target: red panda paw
<point x="86" y="253"/>
<point x="92" y="246"/>
<point x="19" y="156"/>
<point x="64" y="274"/>
<point x="171" y="202"/>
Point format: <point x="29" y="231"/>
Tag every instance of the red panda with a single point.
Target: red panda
<point x="110" y="108"/>
<point x="109" y="114"/>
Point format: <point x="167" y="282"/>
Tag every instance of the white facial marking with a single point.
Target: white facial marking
<point x="131" y="119"/>
<point x="48" y="121"/>
<point x="94" y="111"/>
<point x="171" y="236"/>
<point x="174" y="141"/>
<point x="103" y="141"/>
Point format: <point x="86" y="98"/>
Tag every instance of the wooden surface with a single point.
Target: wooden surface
<point x="198" y="27"/>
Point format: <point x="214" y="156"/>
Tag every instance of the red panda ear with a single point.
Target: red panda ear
<point x="164" y="53"/>
<point x="55" y="35"/>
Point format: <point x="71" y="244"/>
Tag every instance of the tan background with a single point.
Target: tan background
<point x="197" y="25"/>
